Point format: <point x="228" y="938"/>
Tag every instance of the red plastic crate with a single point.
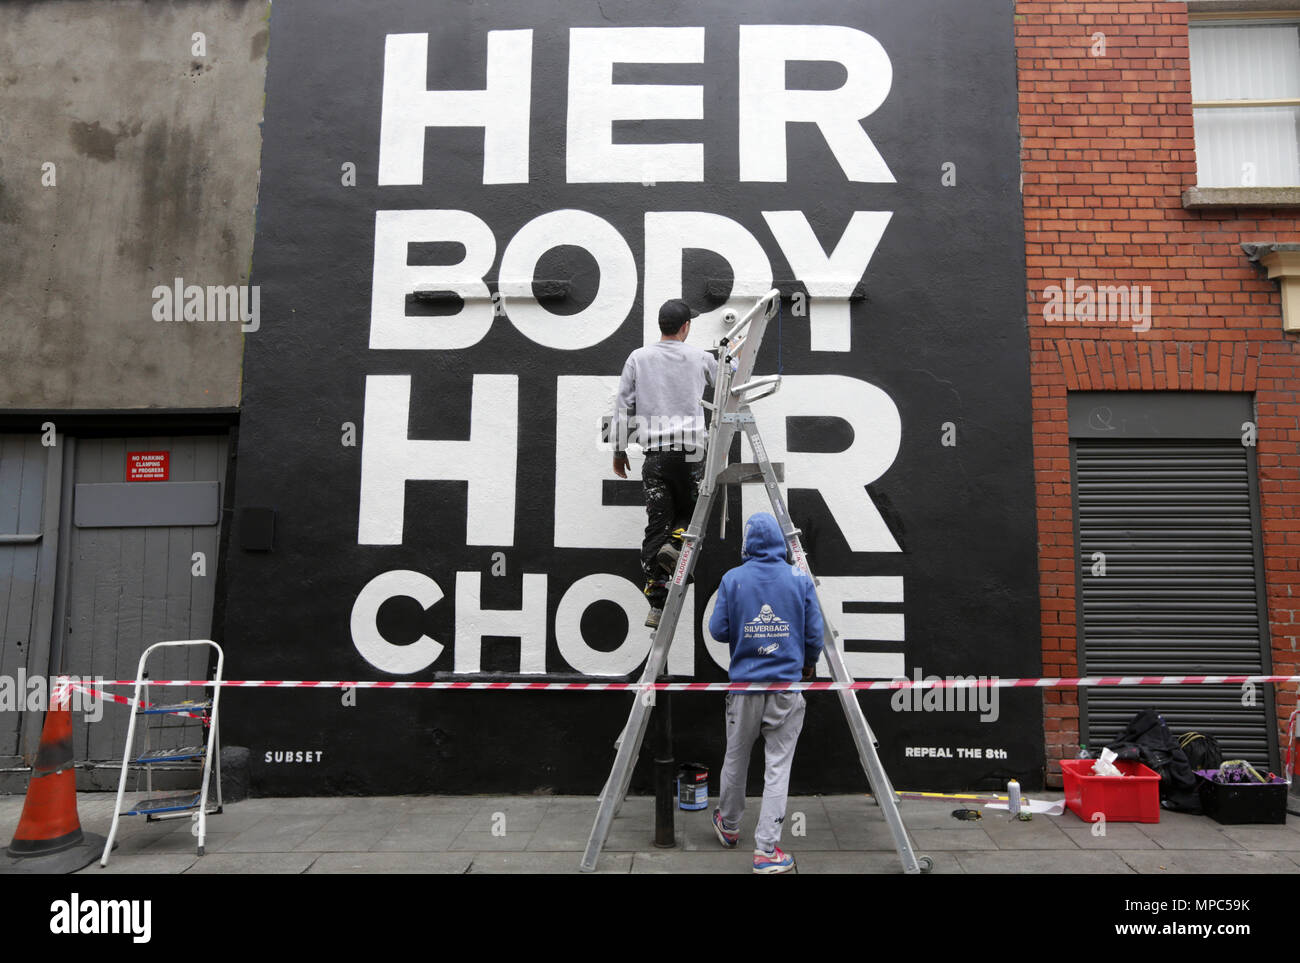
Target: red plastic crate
<point x="1132" y="798"/>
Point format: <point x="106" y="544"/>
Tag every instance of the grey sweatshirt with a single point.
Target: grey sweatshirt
<point x="659" y="396"/>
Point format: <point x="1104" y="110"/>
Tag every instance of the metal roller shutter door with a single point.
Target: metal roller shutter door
<point x="1180" y="594"/>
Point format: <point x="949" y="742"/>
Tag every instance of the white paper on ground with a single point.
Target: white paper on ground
<point x="1034" y="806"/>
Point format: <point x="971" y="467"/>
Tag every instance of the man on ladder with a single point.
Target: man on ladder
<point x="658" y="405"/>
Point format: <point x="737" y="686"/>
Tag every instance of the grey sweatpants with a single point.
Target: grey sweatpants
<point x="779" y="716"/>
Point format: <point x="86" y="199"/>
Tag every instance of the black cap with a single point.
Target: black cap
<point x="673" y="314"/>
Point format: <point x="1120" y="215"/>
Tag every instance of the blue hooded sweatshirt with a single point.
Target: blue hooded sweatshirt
<point x="767" y="610"/>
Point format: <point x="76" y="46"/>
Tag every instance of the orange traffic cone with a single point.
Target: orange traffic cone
<point x="49" y="837"/>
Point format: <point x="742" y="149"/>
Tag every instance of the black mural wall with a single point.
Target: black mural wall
<point x="450" y="283"/>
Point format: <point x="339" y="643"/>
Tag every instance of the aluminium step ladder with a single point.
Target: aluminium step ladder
<point x="734" y="390"/>
<point x="172" y="805"/>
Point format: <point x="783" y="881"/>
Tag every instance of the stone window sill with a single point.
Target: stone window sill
<point x="1209" y="197"/>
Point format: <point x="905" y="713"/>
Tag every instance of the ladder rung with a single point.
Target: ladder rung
<point x="170" y="755"/>
<point x="163" y="804"/>
<point x="187" y="706"/>
<point x="742" y="472"/>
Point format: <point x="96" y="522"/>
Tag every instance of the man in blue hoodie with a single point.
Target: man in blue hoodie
<point x="768" y="615"/>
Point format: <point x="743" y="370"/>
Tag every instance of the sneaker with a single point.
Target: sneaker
<point x="652" y="620"/>
<point x="728" y="839"/>
<point x="773" y="862"/>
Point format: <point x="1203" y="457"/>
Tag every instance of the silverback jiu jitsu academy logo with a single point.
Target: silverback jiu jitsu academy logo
<point x="767" y="624"/>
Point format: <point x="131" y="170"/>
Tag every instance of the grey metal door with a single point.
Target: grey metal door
<point x="29" y="506"/>
<point x="1173" y="523"/>
<point x="143" y="570"/>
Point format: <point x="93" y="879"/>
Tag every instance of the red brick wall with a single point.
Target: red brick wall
<point x="1107" y="149"/>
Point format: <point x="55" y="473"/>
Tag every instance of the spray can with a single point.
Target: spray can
<point x="1013" y="797"/>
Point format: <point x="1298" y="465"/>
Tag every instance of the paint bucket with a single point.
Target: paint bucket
<point x="692" y="786"/>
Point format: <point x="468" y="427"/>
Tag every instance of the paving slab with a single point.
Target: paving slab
<point x="434" y="805"/>
<point x="632" y="806"/>
<point x="1263" y="838"/>
<point x="231" y="820"/>
<point x="931" y="817"/>
<point x="370" y="819"/>
<point x="1041" y="832"/>
<point x="342" y="841"/>
<point x="275" y="863"/>
<point x="137" y="842"/>
<point x="680" y="861"/>
<point x="185" y="843"/>
<point x="509" y="817"/>
<point x="548" y="863"/>
<point x="421" y="834"/>
<point x="874" y="863"/>
<point x="518" y="803"/>
<point x="569" y="832"/>
<point x="471" y="842"/>
<point x="144" y="863"/>
<point x="866" y="836"/>
<point x="305" y="805"/>
<point x="1047" y="862"/>
<point x="955" y="840"/>
<point x="852" y="801"/>
<point x="1204" y="833"/>
<point x="275" y="834"/>
<point x="1209" y="861"/>
<point x="1117" y="836"/>
<point x="407" y="863"/>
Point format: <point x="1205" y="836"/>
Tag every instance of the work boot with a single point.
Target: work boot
<point x="670" y="552"/>
<point x="652" y="620"/>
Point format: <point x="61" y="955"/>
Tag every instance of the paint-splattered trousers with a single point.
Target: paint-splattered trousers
<point x="671" y="483"/>
<point x="779" y="717"/>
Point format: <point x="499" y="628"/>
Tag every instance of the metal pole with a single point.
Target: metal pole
<point x="665" y="796"/>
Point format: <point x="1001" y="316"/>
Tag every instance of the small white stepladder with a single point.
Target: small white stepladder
<point x="172" y="805"/>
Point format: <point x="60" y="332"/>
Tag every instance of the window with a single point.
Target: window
<point x="1246" y="102"/>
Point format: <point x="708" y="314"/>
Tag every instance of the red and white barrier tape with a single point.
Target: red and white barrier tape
<point x="120" y="700"/>
<point x="990" y="682"/>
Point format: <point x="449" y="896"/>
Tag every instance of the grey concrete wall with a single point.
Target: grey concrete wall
<point x="156" y="156"/>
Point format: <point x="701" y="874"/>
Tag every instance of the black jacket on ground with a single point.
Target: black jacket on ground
<point x="1148" y="740"/>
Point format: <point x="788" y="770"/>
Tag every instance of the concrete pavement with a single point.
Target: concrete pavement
<point x="546" y="834"/>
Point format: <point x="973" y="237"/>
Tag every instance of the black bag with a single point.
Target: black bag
<point x="1148" y="740"/>
<point x="1202" y="750"/>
